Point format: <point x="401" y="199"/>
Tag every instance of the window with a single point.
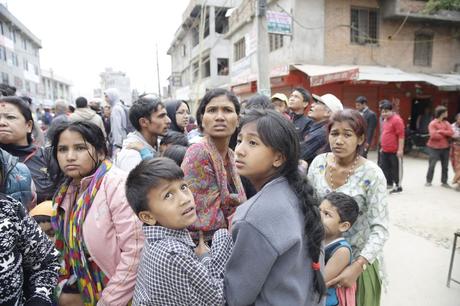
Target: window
<point x="423" y="49"/>
<point x="364" y="26"/>
<point x="5" y="78"/>
<point x="195" y="36"/>
<point x="15" y="59"/>
<point x="275" y="41"/>
<point x="25" y="65"/>
<point x="221" y="21"/>
<point x="183" y="50"/>
<point x="239" y="49"/>
<point x="24" y="43"/>
<point x="222" y="66"/>
<point x="2" y="28"/>
<point x="196" y="71"/>
<point x="27" y="87"/>
<point x="206" y="67"/>
<point x="13" y="35"/>
<point x="2" y="54"/>
<point x="36" y="70"/>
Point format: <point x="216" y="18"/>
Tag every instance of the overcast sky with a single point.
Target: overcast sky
<point x="80" y="38"/>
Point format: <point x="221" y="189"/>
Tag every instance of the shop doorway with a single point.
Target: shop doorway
<point x="421" y="115"/>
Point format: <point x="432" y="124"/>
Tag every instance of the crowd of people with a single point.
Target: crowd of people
<point x="256" y="202"/>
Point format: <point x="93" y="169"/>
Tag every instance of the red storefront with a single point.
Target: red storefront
<point x="410" y="93"/>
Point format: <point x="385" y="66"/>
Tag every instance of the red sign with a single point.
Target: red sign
<point x="347" y="75"/>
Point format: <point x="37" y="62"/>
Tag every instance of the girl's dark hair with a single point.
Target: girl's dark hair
<point x="346" y="206"/>
<point x="175" y="138"/>
<point x="171" y="109"/>
<point x="214" y="93"/>
<point x="150" y="173"/>
<point x="277" y="132"/>
<point x="260" y="102"/>
<point x="176" y="153"/>
<point x="439" y="110"/>
<point x="354" y="119"/>
<point x="91" y="134"/>
<point x="23" y="109"/>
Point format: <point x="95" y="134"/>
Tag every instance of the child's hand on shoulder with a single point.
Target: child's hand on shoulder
<point x="202" y="248"/>
<point x="137" y="145"/>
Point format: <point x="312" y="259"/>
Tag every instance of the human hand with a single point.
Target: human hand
<point x="202" y="247"/>
<point x="137" y="145"/>
<point x="400" y="153"/>
<point x="70" y="299"/>
<point x="303" y="165"/>
<point x="347" y="278"/>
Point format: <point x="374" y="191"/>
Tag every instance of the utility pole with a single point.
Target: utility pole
<point x="263" y="69"/>
<point x="158" y="74"/>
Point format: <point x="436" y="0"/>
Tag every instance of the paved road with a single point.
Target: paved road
<point x="423" y="220"/>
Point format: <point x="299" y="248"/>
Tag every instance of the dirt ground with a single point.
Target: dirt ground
<point x="423" y="221"/>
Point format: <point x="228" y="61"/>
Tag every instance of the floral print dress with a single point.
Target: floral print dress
<point x="367" y="185"/>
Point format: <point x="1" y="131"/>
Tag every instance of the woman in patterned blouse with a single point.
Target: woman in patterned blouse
<point x="344" y="170"/>
<point x="209" y="166"/>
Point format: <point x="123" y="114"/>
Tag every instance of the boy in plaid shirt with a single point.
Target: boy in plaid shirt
<point x="173" y="271"/>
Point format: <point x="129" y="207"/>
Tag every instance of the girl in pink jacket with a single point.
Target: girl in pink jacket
<point x="97" y="233"/>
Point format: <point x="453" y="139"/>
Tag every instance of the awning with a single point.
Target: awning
<point x="445" y="82"/>
<point x="320" y="75"/>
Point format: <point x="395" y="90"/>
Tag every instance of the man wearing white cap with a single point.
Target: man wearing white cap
<point x="316" y="140"/>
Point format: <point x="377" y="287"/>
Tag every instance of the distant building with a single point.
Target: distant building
<point x="199" y="64"/>
<point x="380" y="49"/>
<point x="54" y="87"/>
<point x="19" y="55"/>
<point x="118" y="80"/>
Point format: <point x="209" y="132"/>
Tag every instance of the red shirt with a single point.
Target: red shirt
<point x="392" y="132"/>
<point x="440" y="132"/>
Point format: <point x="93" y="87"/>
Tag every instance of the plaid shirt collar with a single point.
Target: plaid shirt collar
<point x="155" y="233"/>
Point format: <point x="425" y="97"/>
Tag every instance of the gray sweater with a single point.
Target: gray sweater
<point x="269" y="264"/>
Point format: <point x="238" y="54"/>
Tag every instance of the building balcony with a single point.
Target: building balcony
<point x="415" y="10"/>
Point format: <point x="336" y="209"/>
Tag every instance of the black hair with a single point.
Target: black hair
<point x="91" y="134"/>
<point x="23" y="109"/>
<point x="81" y="102"/>
<point x="27" y="99"/>
<point x="280" y="134"/>
<point x="143" y="108"/>
<point x="149" y="174"/>
<point x="175" y="138"/>
<point x="7" y="90"/>
<point x="305" y="93"/>
<point x="176" y="153"/>
<point x="346" y="206"/>
<point x="259" y="101"/>
<point x="42" y="219"/>
<point x="171" y="109"/>
<point x="385" y="105"/>
<point x="439" y="110"/>
<point x="361" y="99"/>
<point x="214" y="93"/>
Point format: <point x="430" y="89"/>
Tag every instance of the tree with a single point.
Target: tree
<point x="433" y="6"/>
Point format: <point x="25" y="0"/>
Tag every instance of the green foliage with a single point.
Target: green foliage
<point x="433" y="6"/>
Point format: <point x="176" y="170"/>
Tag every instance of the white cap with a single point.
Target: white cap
<point x="331" y="101"/>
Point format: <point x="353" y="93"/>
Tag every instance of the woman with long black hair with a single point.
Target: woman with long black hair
<point x="277" y="234"/>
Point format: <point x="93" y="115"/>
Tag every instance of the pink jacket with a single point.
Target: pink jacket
<point x="113" y="235"/>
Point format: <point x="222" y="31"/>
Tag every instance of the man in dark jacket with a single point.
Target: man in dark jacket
<point x="371" y="119"/>
<point x="297" y="103"/>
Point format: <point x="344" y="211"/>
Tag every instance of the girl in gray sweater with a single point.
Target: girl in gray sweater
<point x="277" y="233"/>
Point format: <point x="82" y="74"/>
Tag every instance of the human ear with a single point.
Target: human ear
<point x="344" y="226"/>
<point x="147" y="217"/>
<point x="361" y="140"/>
<point x="279" y="160"/>
<point x="29" y="125"/>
